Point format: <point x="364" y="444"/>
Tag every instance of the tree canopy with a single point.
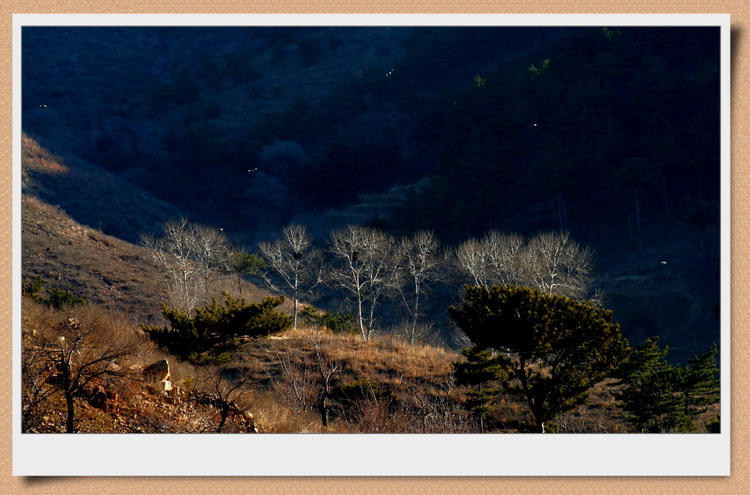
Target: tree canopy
<point x="553" y="347"/>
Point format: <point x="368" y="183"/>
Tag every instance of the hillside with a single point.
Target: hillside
<point x="89" y="194"/>
<point x="578" y="167"/>
<point x="381" y="386"/>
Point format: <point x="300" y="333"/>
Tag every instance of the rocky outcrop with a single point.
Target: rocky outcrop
<point x="158" y="373"/>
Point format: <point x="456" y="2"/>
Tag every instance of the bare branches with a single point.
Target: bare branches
<point x="556" y="264"/>
<point x="296" y="268"/>
<point x="494" y="259"/>
<point x="366" y="263"/>
<point x="550" y="262"/>
<point x="420" y="260"/>
<point x="216" y="389"/>
<point x="83" y="350"/>
<point x="190" y="256"/>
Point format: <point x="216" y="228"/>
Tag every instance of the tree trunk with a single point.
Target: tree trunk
<point x="533" y="406"/>
<point x="69" y="423"/>
<point x="361" y="318"/>
<point x="416" y="314"/>
<point x="224" y="413"/>
<point x="296" y="304"/>
<point x="323" y="408"/>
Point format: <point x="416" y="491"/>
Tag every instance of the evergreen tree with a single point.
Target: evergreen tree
<point x="650" y="394"/>
<point x="554" y="348"/>
<point x="699" y="382"/>
<point x="481" y="369"/>
<point x="214" y="331"/>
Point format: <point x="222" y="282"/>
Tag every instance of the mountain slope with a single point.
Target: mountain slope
<point x="92" y="196"/>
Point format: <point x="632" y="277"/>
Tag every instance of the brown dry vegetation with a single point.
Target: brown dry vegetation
<point x="384" y="385"/>
<point x="135" y="406"/>
<point x="392" y="386"/>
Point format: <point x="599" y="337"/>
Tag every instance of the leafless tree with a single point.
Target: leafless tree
<point x="173" y="253"/>
<point x="502" y="256"/>
<point x="36" y="371"/>
<point x="306" y="384"/>
<point x="85" y="350"/>
<point x="420" y="260"/>
<point x="295" y="268"/>
<point x="493" y="259"/>
<point x="296" y="384"/>
<point x="556" y="264"/>
<point x="550" y="262"/>
<point x="215" y="389"/>
<point x="213" y="252"/>
<point x="366" y="262"/>
<point x="472" y="258"/>
<point x="190" y="256"/>
<point x="327" y="368"/>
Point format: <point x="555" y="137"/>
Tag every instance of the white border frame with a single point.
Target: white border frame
<point x="373" y="455"/>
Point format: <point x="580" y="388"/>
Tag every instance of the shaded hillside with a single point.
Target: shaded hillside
<point x="95" y="198"/>
<point x="99" y="267"/>
<point x="210" y="103"/>
<point x="86" y="262"/>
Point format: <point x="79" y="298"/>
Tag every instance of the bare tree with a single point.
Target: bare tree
<point x="420" y="260"/>
<point x="84" y="351"/>
<point x="295" y="267"/>
<point x="327" y="368"/>
<point x="502" y="257"/>
<point x="190" y="256"/>
<point x="550" y="262"/>
<point x="471" y="258"/>
<point x="366" y="268"/>
<point x="556" y="264"/>
<point x="307" y="383"/>
<point x="214" y="388"/>
<point x="296" y="383"/>
<point x="494" y="259"/>
<point x="36" y="371"/>
<point x="173" y="253"/>
<point x="212" y="250"/>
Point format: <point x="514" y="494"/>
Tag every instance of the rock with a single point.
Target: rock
<point x="98" y="398"/>
<point x="157" y="372"/>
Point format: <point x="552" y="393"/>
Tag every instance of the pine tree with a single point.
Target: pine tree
<point x="481" y="369"/>
<point x="214" y="331"/>
<point x="557" y="347"/>
<point x="699" y="382"/>
<point x="650" y="394"/>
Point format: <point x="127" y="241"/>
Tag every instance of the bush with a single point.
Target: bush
<point x="335" y="321"/>
<point x="56" y="298"/>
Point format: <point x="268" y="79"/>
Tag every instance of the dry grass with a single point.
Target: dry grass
<point x="384" y="385"/>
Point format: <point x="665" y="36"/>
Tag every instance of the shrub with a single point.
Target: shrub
<point x="56" y="298"/>
<point x="336" y="322"/>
